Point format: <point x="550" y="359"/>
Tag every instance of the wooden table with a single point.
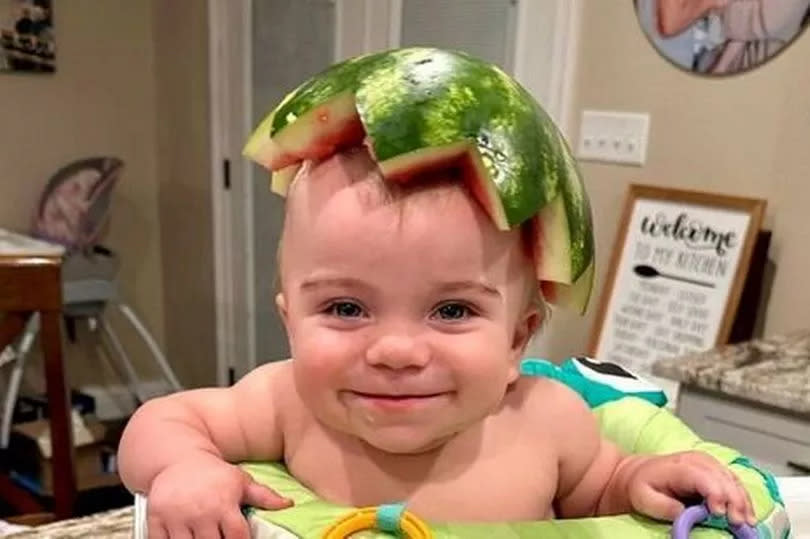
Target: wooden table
<point x="32" y="284"/>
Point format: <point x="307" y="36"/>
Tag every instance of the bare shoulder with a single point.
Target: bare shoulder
<point x="273" y="385"/>
<point x="552" y="406"/>
<point x="570" y="429"/>
<point x="270" y="376"/>
<point x="536" y="393"/>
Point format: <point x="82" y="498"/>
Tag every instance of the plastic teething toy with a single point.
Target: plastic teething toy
<point x="391" y="518"/>
<point x="698" y="513"/>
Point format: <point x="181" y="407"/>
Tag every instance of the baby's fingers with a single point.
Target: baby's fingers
<point x="234" y="526"/>
<point x="206" y="530"/>
<point x="715" y="492"/>
<point x="263" y="497"/>
<point x="655" y="504"/>
<point x="739" y="504"/>
<point x="155" y="529"/>
<point x="178" y="531"/>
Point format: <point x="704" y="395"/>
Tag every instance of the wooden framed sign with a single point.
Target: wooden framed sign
<point x="676" y="274"/>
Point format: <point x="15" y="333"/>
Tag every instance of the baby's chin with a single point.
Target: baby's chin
<point x="404" y="442"/>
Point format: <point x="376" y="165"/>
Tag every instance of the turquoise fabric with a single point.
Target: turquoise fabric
<point x="594" y="393"/>
<point x="770" y="481"/>
<point x="389" y="517"/>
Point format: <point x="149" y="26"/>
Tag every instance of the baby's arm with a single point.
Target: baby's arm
<point x="595" y="478"/>
<point x="587" y="461"/>
<point x="177" y="449"/>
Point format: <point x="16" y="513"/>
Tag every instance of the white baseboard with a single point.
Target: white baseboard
<point x="116" y="401"/>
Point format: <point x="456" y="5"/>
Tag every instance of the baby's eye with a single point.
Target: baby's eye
<point x="345" y="309"/>
<point x="453" y="311"/>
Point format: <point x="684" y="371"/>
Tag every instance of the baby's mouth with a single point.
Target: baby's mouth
<point x="398" y="396"/>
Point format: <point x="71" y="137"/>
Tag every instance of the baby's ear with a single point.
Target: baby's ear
<point x="524" y="330"/>
<point x="281" y="305"/>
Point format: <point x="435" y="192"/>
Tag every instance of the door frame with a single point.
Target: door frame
<point x="544" y="62"/>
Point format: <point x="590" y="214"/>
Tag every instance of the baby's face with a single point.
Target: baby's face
<point x="406" y="318"/>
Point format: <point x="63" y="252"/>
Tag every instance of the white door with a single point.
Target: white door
<point x="261" y="49"/>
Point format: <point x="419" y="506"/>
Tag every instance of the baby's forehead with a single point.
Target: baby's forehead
<point x="343" y="208"/>
<point x="353" y="178"/>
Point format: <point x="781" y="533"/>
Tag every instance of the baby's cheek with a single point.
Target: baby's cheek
<point x="322" y="353"/>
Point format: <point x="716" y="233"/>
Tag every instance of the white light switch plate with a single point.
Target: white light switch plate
<point x="615" y="137"/>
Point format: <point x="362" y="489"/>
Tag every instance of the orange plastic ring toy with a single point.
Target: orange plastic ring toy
<point x="366" y="518"/>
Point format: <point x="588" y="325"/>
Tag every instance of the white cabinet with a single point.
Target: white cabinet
<point x="778" y="442"/>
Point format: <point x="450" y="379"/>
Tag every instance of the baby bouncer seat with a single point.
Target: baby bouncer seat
<point x="73" y="211"/>
<point x="630" y="412"/>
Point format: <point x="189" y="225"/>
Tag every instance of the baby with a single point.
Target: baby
<point x="407" y="313"/>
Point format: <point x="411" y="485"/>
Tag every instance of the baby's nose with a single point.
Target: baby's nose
<point x="398" y="352"/>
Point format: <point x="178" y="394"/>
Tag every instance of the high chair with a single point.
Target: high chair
<point x="72" y="212"/>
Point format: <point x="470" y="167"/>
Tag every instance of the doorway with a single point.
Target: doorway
<point x="262" y="49"/>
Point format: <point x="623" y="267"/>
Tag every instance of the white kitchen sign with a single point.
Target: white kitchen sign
<point x="678" y="267"/>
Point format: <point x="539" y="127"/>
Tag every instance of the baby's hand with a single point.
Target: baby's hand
<point x="657" y="485"/>
<point x="201" y="497"/>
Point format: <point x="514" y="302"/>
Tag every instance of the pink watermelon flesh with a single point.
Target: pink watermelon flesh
<point x="463" y="157"/>
<point x="576" y="295"/>
<point x="281" y="180"/>
<point x="341" y="134"/>
<point x="326" y="129"/>
<point x="553" y="243"/>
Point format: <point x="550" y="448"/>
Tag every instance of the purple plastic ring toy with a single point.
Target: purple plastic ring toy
<point x="698" y="513"/>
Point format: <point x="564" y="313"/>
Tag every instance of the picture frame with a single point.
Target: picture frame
<point x="27" y="42"/>
<point x="676" y="274"/>
<point x="725" y="39"/>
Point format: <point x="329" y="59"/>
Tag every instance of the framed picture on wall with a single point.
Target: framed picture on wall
<point x="722" y="38"/>
<point x="676" y="275"/>
<point x="27" y="42"/>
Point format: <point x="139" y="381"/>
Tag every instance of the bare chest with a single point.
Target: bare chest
<point x="485" y="482"/>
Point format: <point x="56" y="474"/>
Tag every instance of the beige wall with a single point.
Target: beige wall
<point x="132" y="81"/>
<point x="101" y="100"/>
<point x="745" y="135"/>
<point x="181" y="31"/>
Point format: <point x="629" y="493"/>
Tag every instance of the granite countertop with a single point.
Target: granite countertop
<point x="774" y="371"/>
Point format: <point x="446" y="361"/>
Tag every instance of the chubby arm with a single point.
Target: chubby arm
<point x="233" y="424"/>
<point x="591" y="468"/>
<point x="596" y="479"/>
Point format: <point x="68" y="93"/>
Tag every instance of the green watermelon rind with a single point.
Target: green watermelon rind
<point x="342" y="77"/>
<point x="578" y="213"/>
<point x="461" y="98"/>
<point x="527" y="161"/>
<point x="494" y="111"/>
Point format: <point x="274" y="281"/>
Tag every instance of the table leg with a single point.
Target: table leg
<point x="64" y="473"/>
<point x="11" y="325"/>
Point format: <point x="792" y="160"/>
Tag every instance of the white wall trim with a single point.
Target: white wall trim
<point x="221" y="215"/>
<point x="567" y="48"/>
<point x="249" y="312"/>
<point x="340" y="8"/>
<point x="394" y="23"/>
<point x="230" y="106"/>
<point x="545" y="54"/>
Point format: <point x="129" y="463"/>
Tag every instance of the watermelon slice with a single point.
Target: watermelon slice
<point x="281" y="179"/>
<point x="422" y="108"/>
